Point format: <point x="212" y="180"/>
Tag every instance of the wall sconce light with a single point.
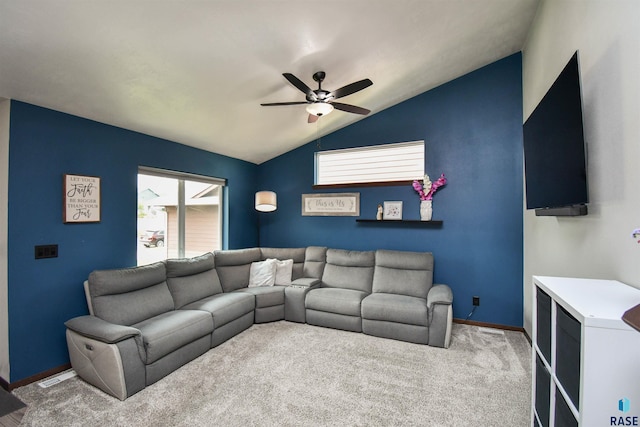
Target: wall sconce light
<point x="266" y="201"/>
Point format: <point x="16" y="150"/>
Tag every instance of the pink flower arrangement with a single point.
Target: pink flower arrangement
<point x="428" y="188"/>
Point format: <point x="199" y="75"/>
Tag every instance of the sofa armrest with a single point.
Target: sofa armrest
<point x="101" y="330"/>
<point x="439" y="303"/>
<point x="305" y="282"/>
<point x="439" y="294"/>
<point x="294" y="297"/>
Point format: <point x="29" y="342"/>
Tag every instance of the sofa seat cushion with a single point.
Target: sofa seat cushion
<point x="170" y="331"/>
<point x="266" y="296"/>
<point x="225" y="308"/>
<point x="335" y="300"/>
<point x="396" y="308"/>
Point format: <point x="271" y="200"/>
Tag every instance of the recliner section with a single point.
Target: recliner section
<point x="346" y="281"/>
<point x="147" y="321"/>
<point x="398" y="306"/>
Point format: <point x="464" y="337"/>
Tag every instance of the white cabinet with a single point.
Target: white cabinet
<point x="586" y="360"/>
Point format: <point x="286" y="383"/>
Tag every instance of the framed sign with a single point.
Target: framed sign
<point x="81" y="198"/>
<point x="333" y="204"/>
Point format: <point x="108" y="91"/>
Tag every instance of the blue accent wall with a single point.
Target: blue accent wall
<point x="472" y="128"/>
<point x="46" y="144"/>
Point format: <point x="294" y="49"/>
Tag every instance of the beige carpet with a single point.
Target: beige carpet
<point x="289" y="374"/>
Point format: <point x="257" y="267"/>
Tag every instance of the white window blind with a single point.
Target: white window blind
<point x="402" y="161"/>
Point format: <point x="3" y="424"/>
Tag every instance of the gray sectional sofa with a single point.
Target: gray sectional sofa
<point x="145" y="322"/>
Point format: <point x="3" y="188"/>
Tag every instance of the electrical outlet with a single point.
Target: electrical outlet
<point x="476" y="301"/>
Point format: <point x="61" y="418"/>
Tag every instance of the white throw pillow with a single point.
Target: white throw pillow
<point x="284" y="270"/>
<point x="262" y="273"/>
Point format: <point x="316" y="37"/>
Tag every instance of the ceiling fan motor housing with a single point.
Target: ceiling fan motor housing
<point x="319" y="95"/>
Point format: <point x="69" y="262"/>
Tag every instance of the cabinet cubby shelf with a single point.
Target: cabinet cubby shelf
<point x="432" y="223"/>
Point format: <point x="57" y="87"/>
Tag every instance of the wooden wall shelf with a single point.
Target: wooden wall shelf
<point x="432" y="223"/>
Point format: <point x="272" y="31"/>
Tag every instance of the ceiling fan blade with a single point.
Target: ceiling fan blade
<point x="312" y="118"/>
<point x="350" y="108"/>
<point x="300" y="85"/>
<point x="271" y="104"/>
<point x="351" y="88"/>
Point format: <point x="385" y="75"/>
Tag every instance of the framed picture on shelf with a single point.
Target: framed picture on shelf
<point x="392" y="211"/>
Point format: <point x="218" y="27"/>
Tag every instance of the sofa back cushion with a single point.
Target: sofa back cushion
<point x="192" y="279"/>
<point x="282" y="254"/>
<point x="233" y="267"/>
<point x="130" y="295"/>
<point x="349" y="270"/>
<point x="403" y="273"/>
<point x="315" y="259"/>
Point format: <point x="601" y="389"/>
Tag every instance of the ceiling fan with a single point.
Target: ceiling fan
<point x="321" y="102"/>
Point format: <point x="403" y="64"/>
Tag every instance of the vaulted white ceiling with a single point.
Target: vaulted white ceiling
<point x="195" y="72"/>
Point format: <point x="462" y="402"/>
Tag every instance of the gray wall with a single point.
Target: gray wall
<point x="599" y="245"/>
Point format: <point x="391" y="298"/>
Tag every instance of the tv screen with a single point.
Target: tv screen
<point x="554" y="147"/>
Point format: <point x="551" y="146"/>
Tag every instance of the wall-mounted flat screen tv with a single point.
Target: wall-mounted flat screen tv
<point x="554" y="149"/>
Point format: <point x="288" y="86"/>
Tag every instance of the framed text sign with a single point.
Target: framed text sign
<point x="338" y="204"/>
<point x="81" y="198"/>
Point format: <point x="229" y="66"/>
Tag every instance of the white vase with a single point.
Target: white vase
<point x="426" y="210"/>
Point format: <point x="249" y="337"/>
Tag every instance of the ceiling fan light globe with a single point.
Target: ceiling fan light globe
<point x="319" y="108"/>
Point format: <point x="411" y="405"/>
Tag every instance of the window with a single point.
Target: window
<point x="179" y="215"/>
<point x="397" y="162"/>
